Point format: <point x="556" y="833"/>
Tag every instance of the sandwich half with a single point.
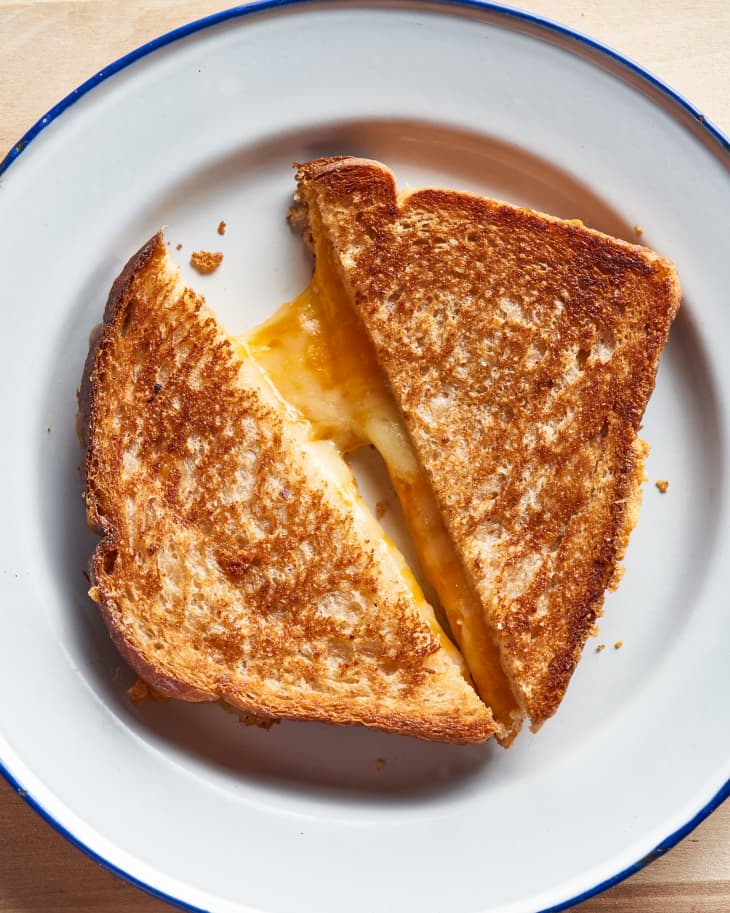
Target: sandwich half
<point x="501" y="361"/>
<point x="237" y="562"/>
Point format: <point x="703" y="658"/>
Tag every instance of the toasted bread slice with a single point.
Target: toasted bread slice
<point x="521" y="351"/>
<point x="237" y="562"/>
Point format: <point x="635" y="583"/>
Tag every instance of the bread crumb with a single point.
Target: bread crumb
<point x="639" y="230"/>
<point x="178" y="247"/>
<point x="248" y="719"/>
<point x="380" y="765"/>
<point x="206" y="261"/>
<point x="616" y="577"/>
<point x="600" y="647"/>
<point x="263" y="722"/>
<point x="141" y="690"/>
<point x="380" y="509"/>
<point x="138" y="692"/>
<point x="662" y="485"/>
<point x="221" y="227"/>
<point x="618" y="645"/>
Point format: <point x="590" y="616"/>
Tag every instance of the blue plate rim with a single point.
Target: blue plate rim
<point x="236" y="12"/>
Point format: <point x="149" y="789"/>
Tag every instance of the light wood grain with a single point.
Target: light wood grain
<point x="48" y="47"/>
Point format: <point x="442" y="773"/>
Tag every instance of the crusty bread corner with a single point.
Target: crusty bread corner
<point x="229" y="568"/>
<point x="522" y="350"/>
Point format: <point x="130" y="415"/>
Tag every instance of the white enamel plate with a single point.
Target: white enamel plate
<point x="201" y="126"/>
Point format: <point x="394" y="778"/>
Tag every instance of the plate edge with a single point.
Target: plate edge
<point x="708" y="128"/>
<point x="91" y="853"/>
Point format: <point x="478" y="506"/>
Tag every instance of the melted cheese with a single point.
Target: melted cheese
<point x="324" y="453"/>
<point x="320" y="360"/>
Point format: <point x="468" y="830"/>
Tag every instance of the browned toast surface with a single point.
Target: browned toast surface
<point x="229" y="566"/>
<point x="522" y="351"/>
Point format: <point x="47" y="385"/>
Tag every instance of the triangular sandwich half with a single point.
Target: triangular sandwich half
<point x="237" y="561"/>
<point x="509" y="357"/>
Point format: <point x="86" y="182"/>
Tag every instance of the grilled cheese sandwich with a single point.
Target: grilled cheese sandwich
<point x="521" y="351"/>
<point x="499" y="360"/>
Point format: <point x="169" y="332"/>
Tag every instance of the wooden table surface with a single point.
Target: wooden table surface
<point x="47" y="47"/>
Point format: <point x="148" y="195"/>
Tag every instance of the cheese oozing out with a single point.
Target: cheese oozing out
<point x="322" y="364"/>
<point x="324" y="457"/>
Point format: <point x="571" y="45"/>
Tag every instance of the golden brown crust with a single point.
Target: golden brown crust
<point x="213" y="572"/>
<point x="522" y="350"/>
